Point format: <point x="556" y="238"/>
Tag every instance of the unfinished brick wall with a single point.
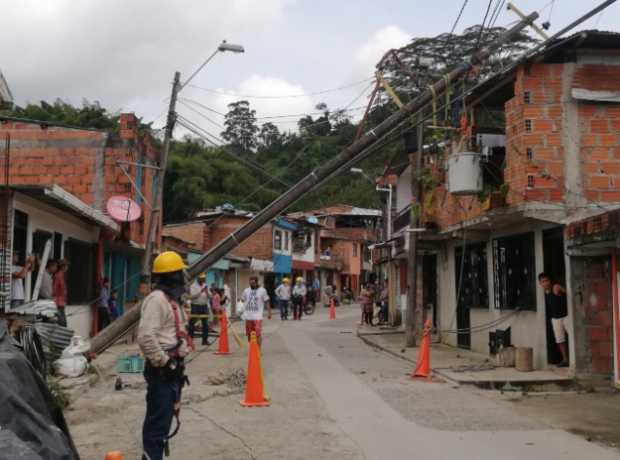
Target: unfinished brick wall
<point x="599" y="126"/>
<point x="83" y="162"/>
<point x="259" y="245"/>
<point x="534" y="151"/>
<point x="207" y="234"/>
<point x="592" y="301"/>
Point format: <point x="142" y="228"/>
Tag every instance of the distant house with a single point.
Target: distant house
<point x="342" y="257"/>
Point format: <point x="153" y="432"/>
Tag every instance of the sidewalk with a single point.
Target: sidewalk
<point x="462" y="366"/>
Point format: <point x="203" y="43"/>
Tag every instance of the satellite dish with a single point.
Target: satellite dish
<point x="123" y="209"/>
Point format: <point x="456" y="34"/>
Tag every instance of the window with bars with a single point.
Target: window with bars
<point x="528" y="126"/>
<point x="513" y="272"/>
<point x="473" y="289"/>
<point x="529" y="153"/>
<point x="527" y="97"/>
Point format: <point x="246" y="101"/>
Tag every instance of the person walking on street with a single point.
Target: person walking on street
<point x="164" y="342"/>
<point x="316" y="287"/>
<point x="299" y="294"/>
<point x="103" y="304"/>
<point x="47" y="280"/>
<point x="555" y="303"/>
<point x="199" y="298"/>
<point x="367" y="299"/>
<point x="283" y="293"/>
<point x="60" y="291"/>
<point x="254" y="300"/>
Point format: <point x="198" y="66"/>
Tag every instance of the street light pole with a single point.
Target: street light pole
<point x="159" y="177"/>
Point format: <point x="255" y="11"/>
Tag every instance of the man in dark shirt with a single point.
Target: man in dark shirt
<point x="555" y="301"/>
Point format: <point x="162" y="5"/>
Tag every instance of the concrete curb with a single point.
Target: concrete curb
<point x="364" y="338"/>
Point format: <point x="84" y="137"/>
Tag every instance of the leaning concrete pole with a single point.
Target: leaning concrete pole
<point x="354" y="153"/>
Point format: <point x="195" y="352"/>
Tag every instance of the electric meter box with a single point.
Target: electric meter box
<point x="464" y="173"/>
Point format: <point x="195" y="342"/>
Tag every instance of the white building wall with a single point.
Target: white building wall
<point x="403" y="190"/>
<point x="528" y="328"/>
<point x="287" y="235"/>
<point x="308" y="255"/>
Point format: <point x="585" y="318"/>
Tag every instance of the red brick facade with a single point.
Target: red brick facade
<point x="206" y="234"/>
<point x="537" y="138"/>
<point x="83" y="162"/>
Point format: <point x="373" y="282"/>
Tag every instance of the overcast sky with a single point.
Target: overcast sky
<point x="123" y="53"/>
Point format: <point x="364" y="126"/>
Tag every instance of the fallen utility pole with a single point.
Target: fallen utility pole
<point x="352" y="154"/>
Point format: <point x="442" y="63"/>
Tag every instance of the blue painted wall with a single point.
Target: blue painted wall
<point x="282" y="263"/>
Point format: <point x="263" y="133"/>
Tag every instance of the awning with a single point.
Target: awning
<point x="59" y="198"/>
<point x="260" y="265"/>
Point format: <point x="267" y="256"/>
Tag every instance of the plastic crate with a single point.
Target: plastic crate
<point x="130" y="364"/>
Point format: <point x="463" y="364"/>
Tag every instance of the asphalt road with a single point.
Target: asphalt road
<point x="332" y="397"/>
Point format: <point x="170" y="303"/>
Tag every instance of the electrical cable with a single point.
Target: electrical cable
<point x="458" y="17"/>
<point x="201" y="115"/>
<point x="286" y="96"/>
<point x="483" y="25"/>
<point x="201" y="132"/>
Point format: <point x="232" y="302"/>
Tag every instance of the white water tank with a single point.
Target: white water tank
<point x="464" y="173"/>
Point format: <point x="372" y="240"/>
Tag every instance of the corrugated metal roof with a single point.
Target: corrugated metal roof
<point x="54" y="339"/>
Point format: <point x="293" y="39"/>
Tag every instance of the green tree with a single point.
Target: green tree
<point x="269" y="135"/>
<point x="241" y="128"/>
<point x="89" y="115"/>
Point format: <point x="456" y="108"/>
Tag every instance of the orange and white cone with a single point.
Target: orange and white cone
<point x="254" y="388"/>
<point x="332" y="309"/>
<point x="223" y="348"/>
<point x="423" y="361"/>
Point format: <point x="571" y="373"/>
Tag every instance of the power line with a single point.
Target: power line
<point x="202" y="115"/>
<point x="458" y="18"/>
<point x="286" y="96"/>
<point x="204" y="134"/>
<point x="483" y="24"/>
<point x="497" y="11"/>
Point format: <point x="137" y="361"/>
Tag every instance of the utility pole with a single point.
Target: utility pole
<point x="159" y="176"/>
<point x="413" y="318"/>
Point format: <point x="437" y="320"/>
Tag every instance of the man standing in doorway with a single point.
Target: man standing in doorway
<point x="555" y="303"/>
<point x="199" y="298"/>
<point x="254" y="299"/>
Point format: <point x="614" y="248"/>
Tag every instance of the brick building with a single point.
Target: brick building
<point x="538" y="148"/>
<point x="92" y="166"/>
<point x="254" y="256"/>
<point x="344" y="234"/>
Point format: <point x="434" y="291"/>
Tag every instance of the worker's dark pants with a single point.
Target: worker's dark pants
<point x="202" y="310"/>
<point x="161" y="394"/>
<point x="283" y="308"/>
<point x="298" y="302"/>
<point x="104" y="317"/>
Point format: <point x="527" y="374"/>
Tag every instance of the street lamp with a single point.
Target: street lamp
<point x="177" y="86"/>
<point x="380" y="189"/>
<point x="224" y="46"/>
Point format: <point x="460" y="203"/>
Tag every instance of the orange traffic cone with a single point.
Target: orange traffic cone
<point x="332" y="309"/>
<point x="114" y="455"/>
<point x="254" y="389"/>
<point x="423" y="361"/>
<point x="223" y="348"/>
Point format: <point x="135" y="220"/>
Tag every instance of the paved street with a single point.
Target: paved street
<point x="332" y="397"/>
